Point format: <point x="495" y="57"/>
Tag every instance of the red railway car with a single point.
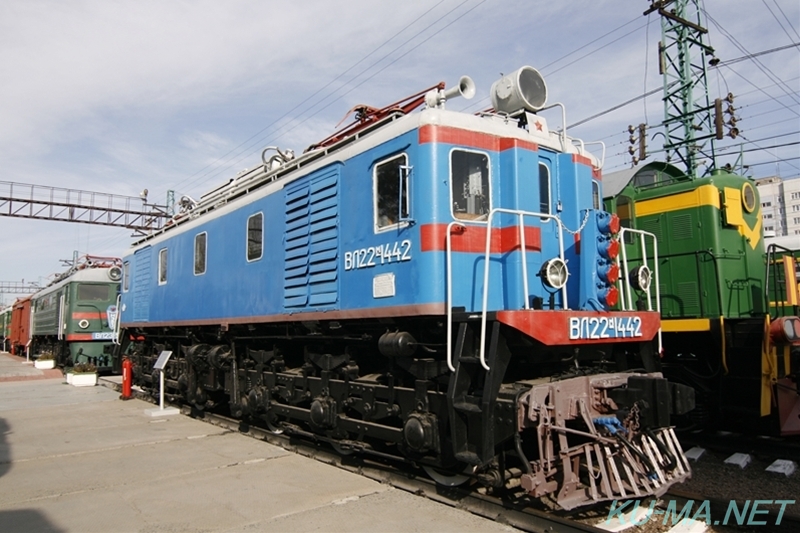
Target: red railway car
<point x="20" y="325"/>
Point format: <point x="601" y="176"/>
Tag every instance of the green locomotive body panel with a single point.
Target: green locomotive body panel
<point x="5" y="320"/>
<point x="710" y="245"/>
<point x="74" y="317"/>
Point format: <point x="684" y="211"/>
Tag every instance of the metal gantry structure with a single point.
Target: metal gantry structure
<point x="691" y="122"/>
<point x="19" y="287"/>
<point x="43" y="202"/>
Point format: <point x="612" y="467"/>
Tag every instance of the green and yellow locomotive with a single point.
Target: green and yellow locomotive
<point x="728" y="308"/>
<point x="74" y="317"/>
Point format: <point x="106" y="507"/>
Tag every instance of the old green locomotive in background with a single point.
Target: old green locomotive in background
<point x="74" y="318"/>
<point x="728" y="303"/>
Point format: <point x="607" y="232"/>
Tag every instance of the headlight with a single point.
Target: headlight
<point x="555" y="273"/>
<point x="641" y="277"/>
<point x="83" y="324"/>
<point x="115" y="273"/>
<point x="788" y="329"/>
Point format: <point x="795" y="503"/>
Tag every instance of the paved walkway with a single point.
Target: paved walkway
<point x="80" y="460"/>
<point x="14" y="368"/>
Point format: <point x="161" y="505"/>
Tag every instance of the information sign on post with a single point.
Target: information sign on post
<point x="161" y="364"/>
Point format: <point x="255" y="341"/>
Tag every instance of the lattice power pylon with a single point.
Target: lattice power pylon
<point x="42" y="202"/>
<point x="689" y="118"/>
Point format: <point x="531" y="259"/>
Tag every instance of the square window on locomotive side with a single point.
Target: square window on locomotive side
<point x="470" y="190"/>
<point x="390" y="187"/>
<point x="255" y="237"/>
<point x="200" y="253"/>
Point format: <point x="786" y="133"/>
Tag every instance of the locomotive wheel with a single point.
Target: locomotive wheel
<point x="448" y="479"/>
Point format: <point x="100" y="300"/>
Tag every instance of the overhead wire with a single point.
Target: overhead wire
<point x="785" y="160"/>
<point x="776" y="19"/>
<point x="459" y="5"/>
<point x="767" y="149"/>
<point x="731" y="147"/>
<point x="543" y="70"/>
<point x="756" y="54"/>
<point x="331" y="82"/>
<point x="788" y="22"/>
<point x="298" y="123"/>
<point x="233" y="162"/>
<point x="763" y="68"/>
<point x="351" y="89"/>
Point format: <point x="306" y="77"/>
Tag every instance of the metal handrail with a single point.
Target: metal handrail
<point x="449" y="296"/>
<point x="772" y="251"/>
<point x="449" y="272"/>
<point x="521" y="215"/>
<point x="625" y="282"/>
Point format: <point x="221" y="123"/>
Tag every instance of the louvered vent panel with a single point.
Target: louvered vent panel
<point x="689" y="298"/>
<point x="682" y="226"/>
<point x="653" y="226"/>
<point x="312" y="242"/>
<point x="141" y="285"/>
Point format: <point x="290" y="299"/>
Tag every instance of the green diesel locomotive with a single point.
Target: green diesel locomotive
<point x="74" y="317"/>
<point x="728" y="306"/>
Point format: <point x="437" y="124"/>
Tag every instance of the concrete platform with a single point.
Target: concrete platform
<point x="79" y="459"/>
<point x="13" y="368"/>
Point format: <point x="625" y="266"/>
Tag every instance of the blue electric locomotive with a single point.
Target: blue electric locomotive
<point x="433" y="286"/>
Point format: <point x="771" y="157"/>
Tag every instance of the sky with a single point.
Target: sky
<point x="117" y="97"/>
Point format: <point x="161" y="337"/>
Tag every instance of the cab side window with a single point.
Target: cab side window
<point x="391" y="192"/>
<point x="255" y="237"/>
<point x="126" y="276"/>
<point x="162" y="266"/>
<point x="544" y="189"/>
<point x="469" y="178"/>
<point x="595" y="194"/>
<point x="200" y="253"/>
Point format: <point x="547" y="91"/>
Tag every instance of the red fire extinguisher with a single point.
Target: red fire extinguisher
<point x="127" y="378"/>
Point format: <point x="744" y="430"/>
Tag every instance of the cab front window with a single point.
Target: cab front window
<point x="469" y="177"/>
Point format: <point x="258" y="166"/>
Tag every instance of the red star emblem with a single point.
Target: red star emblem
<point x="538" y="125"/>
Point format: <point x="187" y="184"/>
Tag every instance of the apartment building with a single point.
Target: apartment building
<point x="780" y="206"/>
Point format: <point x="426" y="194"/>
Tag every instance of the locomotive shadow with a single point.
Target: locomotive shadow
<point x="27" y="520"/>
<point x="5" y="449"/>
<point x="20" y="519"/>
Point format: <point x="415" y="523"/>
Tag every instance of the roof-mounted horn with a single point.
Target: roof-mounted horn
<point x="465" y="88"/>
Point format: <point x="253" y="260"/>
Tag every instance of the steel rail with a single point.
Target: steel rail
<point x="492" y="508"/>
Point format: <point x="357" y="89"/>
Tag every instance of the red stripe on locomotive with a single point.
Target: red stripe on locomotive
<point x="473" y="139"/>
<point x="472" y="239"/>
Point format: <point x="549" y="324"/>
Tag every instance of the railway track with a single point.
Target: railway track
<point x="493" y="508"/>
<point x="769" y="447"/>
<point x="519" y="515"/>
<point x="718" y="511"/>
<point x="513" y="514"/>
